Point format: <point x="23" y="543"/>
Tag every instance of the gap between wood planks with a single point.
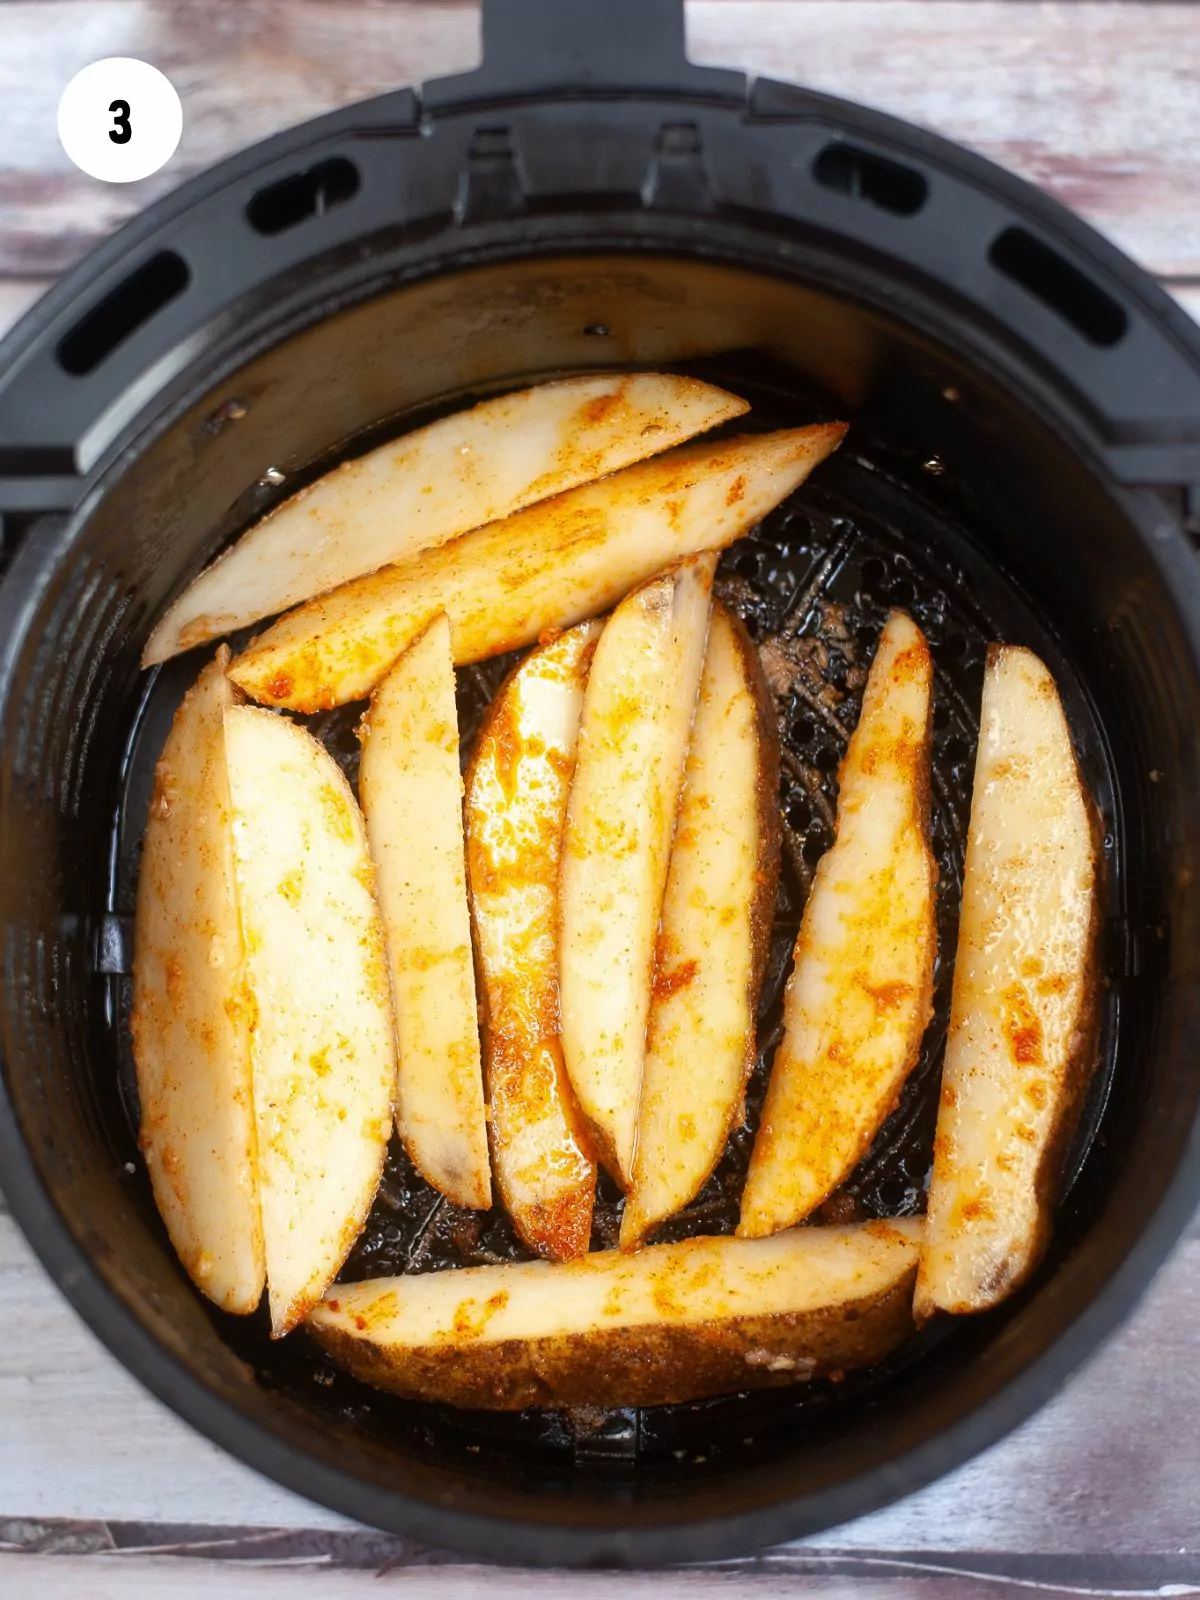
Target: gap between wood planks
<point x="1098" y="101"/>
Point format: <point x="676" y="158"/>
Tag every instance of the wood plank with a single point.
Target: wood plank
<point x="124" y="1577"/>
<point x="1098" y="101"/>
<point x="1108" y="1468"/>
<point x="16" y="297"/>
<point x="77" y="1559"/>
<point x="134" y="1459"/>
<point x="297" y="1567"/>
<point x="243" y="71"/>
<point x="121" y="1578"/>
<point x="179" y="1552"/>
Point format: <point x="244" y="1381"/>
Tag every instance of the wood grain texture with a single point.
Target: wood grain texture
<point x="150" y="1578"/>
<point x="16" y="297"/>
<point x="155" y="1468"/>
<point x="1097" y="101"/>
<point x="889" y="1577"/>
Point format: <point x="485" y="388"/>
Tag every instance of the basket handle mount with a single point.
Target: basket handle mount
<point x="547" y="47"/>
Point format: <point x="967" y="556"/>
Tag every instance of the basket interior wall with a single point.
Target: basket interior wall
<point x="950" y="498"/>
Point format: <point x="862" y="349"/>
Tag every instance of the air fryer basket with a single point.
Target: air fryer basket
<point x="1025" y="442"/>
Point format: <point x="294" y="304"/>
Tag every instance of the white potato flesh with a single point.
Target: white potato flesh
<point x="633" y="741"/>
<point x="860" y="995"/>
<point x="322" y="1048"/>
<point x="516" y="811"/>
<point x="190" y="1024"/>
<point x="545" y="568"/>
<point x="431" y="485"/>
<point x="1022" y="1040"/>
<point x="412" y="793"/>
<point x="716" y="920"/>
<point x="668" y="1323"/>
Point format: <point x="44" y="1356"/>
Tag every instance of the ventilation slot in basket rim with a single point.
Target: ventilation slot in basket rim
<point x="125" y="309"/>
<point x="292" y="200"/>
<point x="860" y="174"/>
<point x="1059" y="285"/>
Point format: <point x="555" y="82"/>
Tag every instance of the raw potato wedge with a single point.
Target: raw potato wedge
<point x="633" y="741"/>
<point x="412" y="794"/>
<point x="191" y="1032"/>
<point x="716" y="920"/>
<point x="545" y="568"/>
<point x="670" y="1323"/>
<point x="860" y="995"/>
<point x="431" y="485"/>
<point x="516" y="810"/>
<point x="1024" y="1013"/>
<point x="321" y="1036"/>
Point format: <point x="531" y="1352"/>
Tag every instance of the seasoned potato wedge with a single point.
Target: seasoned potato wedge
<point x="1023" y="1018"/>
<point x="191" y="1033"/>
<point x="716" y="919"/>
<point x="321" y="1031"/>
<point x="516" y="810"/>
<point x="860" y="994"/>
<point x="412" y="791"/>
<point x="546" y="567"/>
<point x="431" y="485"/>
<point x="633" y="741"/>
<point x="670" y="1323"/>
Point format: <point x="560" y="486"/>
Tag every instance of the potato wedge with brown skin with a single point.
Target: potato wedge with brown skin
<point x="412" y="793"/>
<point x="1024" y="1014"/>
<point x="190" y="1023"/>
<point x="712" y="943"/>
<point x="861" y="991"/>
<point x="429" y="486"/>
<point x="545" y="568"/>
<point x="633" y="742"/>
<point x="516" y="811"/>
<point x="322" y="1049"/>
<point x="666" y="1324"/>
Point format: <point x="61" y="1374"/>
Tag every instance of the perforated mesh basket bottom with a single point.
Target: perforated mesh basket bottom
<point x="813" y="583"/>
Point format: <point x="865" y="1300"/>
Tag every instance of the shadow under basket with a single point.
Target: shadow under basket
<point x="1025" y="426"/>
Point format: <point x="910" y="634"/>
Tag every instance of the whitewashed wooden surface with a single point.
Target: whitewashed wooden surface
<point x="102" y="1491"/>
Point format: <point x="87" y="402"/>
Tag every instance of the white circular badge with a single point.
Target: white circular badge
<point x="120" y="119"/>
